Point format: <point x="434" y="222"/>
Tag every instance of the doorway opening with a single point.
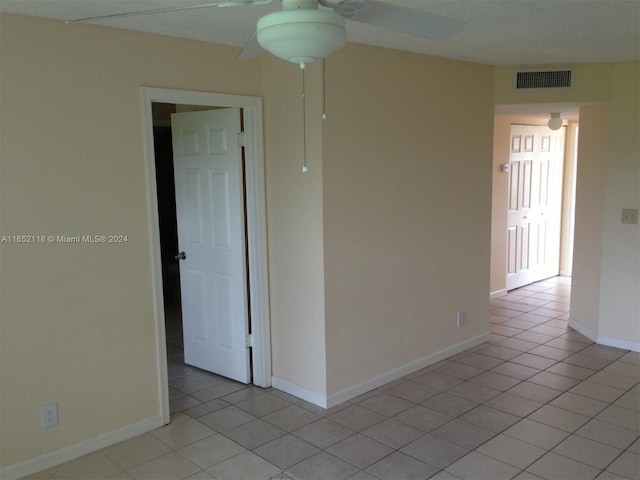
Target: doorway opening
<point x="522" y="189"/>
<point x="160" y="103"/>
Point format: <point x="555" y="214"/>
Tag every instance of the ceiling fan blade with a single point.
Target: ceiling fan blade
<point x="399" y="19"/>
<point x="219" y="3"/>
<point x="251" y="49"/>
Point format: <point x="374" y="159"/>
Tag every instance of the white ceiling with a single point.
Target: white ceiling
<point x="498" y="32"/>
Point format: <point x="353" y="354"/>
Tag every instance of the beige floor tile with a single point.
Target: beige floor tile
<point x="553" y="380"/>
<point x="136" y="451"/>
<point x="93" y="466"/>
<point x="515" y="370"/>
<point x="629" y="400"/>
<point x="360" y="450"/>
<point x="532" y="391"/>
<point x="597" y="391"/>
<point x="579" y="404"/>
<point x="226" y="419"/>
<point x="387" y="405"/>
<point x="533" y="361"/>
<point x="291" y="418"/>
<point x="464" y="434"/>
<point x="205" y="408"/>
<point x="211" y="450"/>
<point x="623" y="417"/>
<point x="413" y="391"/>
<point x="587" y="451"/>
<point x="452" y="405"/>
<point x="613" y="380"/>
<point x="587" y="361"/>
<point x="423" y="418"/>
<point x="608" y="433"/>
<point x="286" y="451"/>
<point x="480" y="361"/>
<point x="168" y="467"/>
<point x="435" y="451"/>
<point x="512" y="451"/>
<point x="518" y="344"/>
<point x="514" y="405"/>
<point x="501" y="353"/>
<point x="400" y="466"/>
<point x="627" y="465"/>
<point x="393" y="432"/>
<point x="495" y="380"/>
<point x="474" y="392"/>
<point x="553" y="466"/>
<point x="550" y="352"/>
<point x="262" y="405"/>
<point x="438" y="380"/>
<point x="255" y="433"/>
<point x="606" y="353"/>
<point x="179" y="434"/>
<point x="323" y="433"/>
<point x="322" y="465"/>
<point x="572" y="371"/>
<point x="560" y="418"/>
<point x="247" y="466"/>
<point x="356" y="417"/>
<point x="460" y="370"/>
<point x="536" y="433"/>
<point x="490" y="418"/>
<point x="476" y="466"/>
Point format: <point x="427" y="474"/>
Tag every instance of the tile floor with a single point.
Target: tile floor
<point x="537" y="401"/>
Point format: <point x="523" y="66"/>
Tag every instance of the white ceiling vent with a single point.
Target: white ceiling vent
<point x="526" y="80"/>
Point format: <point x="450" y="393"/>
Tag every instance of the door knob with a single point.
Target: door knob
<point x="181" y="256"/>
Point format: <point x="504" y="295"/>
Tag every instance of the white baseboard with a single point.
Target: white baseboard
<point x="498" y="294"/>
<point x="603" y="340"/>
<point x="328" y="401"/>
<point x="71" y="452"/>
<point x="297" y="391"/>
<point x="382" y="379"/>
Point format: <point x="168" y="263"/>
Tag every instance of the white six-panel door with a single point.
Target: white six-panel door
<point x="534" y="204"/>
<point x="211" y="233"/>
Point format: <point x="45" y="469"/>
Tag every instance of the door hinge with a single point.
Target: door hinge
<point x="249" y="341"/>
<point x="241" y="139"/>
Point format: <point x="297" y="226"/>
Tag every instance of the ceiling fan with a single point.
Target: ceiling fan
<point x="303" y="32"/>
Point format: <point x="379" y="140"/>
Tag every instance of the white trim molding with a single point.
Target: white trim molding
<point x="498" y="294"/>
<point x="331" y="400"/>
<point x="603" y="340"/>
<point x="256" y="226"/>
<point x="71" y="452"/>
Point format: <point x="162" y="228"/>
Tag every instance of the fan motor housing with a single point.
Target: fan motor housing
<point x="301" y="36"/>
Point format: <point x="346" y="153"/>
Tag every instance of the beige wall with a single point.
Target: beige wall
<point x="77" y="320"/>
<point x="587" y="250"/>
<point x="407" y="174"/>
<point x="620" y="282"/>
<point x="294" y="220"/>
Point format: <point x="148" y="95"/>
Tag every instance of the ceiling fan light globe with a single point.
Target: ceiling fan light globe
<point x="555" y="122"/>
<point x="301" y="36"/>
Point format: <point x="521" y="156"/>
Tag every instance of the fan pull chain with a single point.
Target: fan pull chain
<point x="324" y="103"/>
<point x="305" y="169"/>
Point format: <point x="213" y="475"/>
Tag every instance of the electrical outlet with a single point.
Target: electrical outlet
<point x="630" y="216"/>
<point x="460" y="319"/>
<point x="50" y="415"/>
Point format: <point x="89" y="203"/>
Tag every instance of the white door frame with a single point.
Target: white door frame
<point x="256" y="227"/>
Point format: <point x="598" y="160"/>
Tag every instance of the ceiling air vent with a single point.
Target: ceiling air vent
<point x="543" y="79"/>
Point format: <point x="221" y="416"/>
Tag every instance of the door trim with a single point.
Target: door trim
<point x="256" y="227"/>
